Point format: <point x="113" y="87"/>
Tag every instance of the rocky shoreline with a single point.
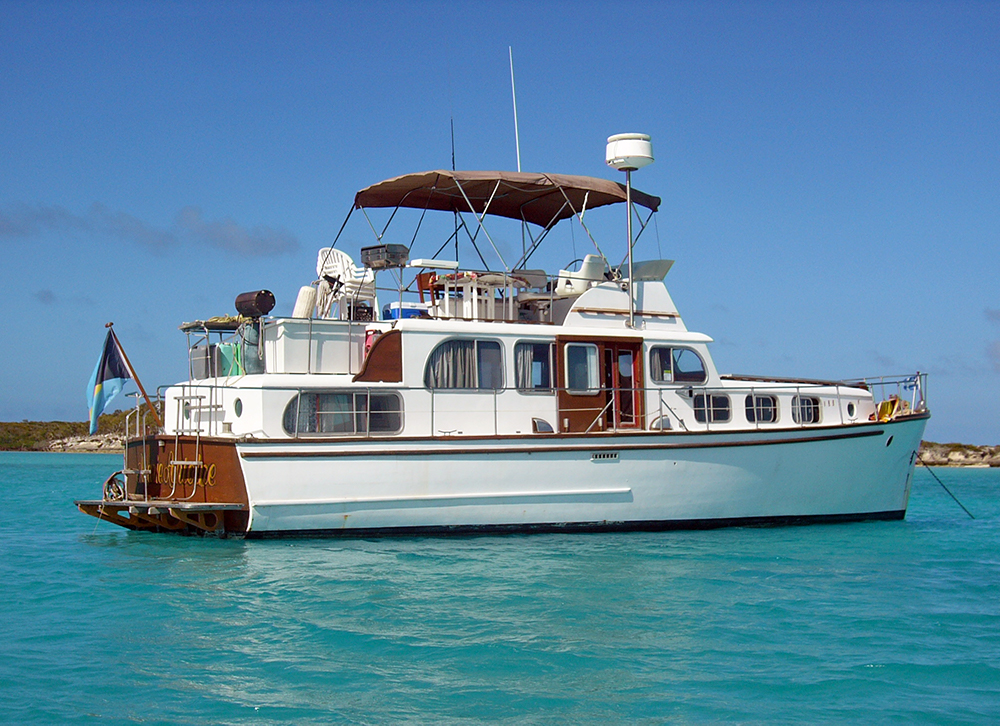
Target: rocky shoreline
<point x="931" y="453"/>
<point x="100" y="444"/>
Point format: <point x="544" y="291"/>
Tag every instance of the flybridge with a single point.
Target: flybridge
<point x="542" y="200"/>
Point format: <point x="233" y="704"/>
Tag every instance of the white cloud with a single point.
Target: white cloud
<point x="229" y="236"/>
<point x="128" y="228"/>
<point x="26" y="220"/>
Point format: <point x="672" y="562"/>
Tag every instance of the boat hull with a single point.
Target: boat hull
<point x="644" y="481"/>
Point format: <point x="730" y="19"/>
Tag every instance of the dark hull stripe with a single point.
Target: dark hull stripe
<point x="570" y="527"/>
<point x="540" y="448"/>
<point x="637" y="434"/>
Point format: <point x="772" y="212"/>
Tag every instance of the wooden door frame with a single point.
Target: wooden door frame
<point x="578" y="411"/>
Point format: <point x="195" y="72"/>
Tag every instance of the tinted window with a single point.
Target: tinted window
<point x="676" y="365"/>
<point x="688" y="366"/>
<point x="343" y="412"/>
<point x="805" y="409"/>
<point x="712" y="408"/>
<point x="581" y="368"/>
<point x="489" y="364"/>
<point x="762" y="409"/>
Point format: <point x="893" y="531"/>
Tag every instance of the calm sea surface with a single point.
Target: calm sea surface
<point x="890" y="622"/>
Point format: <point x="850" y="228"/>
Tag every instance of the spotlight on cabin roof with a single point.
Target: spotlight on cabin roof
<point x="628" y="152"/>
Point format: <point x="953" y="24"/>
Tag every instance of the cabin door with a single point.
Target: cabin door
<point x="600" y="384"/>
<point x="622" y="385"/>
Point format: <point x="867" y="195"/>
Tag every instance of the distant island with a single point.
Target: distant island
<point x="72" y="436"/>
<point x="64" y="435"/>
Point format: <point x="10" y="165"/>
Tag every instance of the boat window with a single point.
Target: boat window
<point x="713" y="408"/>
<point x="344" y="412"/>
<point x="676" y="365"/>
<point x="489" y="364"/>
<point x="465" y="364"/>
<point x="805" y="409"/>
<point x="581" y="368"/>
<point x="762" y="409"/>
<point x="533" y="367"/>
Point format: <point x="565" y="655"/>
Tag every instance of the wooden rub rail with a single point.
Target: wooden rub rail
<point x="162" y="515"/>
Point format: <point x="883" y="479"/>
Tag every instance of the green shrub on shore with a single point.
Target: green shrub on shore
<point x="36" y="435"/>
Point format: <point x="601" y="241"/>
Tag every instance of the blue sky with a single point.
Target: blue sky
<point x="830" y="172"/>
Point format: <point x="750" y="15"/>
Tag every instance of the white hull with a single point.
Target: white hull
<point x="649" y="481"/>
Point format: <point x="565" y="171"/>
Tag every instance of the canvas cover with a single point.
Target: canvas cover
<point x="536" y="198"/>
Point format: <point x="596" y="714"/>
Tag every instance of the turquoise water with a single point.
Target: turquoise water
<point x="888" y="622"/>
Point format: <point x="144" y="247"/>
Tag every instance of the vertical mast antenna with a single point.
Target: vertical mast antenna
<point x="453" y="143"/>
<point x="517" y="139"/>
<point x="513" y="93"/>
<point x="453" y="169"/>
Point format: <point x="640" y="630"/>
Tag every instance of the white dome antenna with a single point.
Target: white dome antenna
<point x="628" y="153"/>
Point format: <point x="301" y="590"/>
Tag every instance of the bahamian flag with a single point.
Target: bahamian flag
<point x="107" y="380"/>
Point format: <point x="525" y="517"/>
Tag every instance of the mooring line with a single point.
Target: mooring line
<point x="931" y="472"/>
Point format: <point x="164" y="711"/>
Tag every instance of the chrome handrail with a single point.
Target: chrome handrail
<point x="911" y="388"/>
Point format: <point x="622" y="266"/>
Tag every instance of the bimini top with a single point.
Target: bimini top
<point x="541" y="199"/>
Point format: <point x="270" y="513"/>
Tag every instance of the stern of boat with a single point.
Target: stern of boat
<point x="184" y="484"/>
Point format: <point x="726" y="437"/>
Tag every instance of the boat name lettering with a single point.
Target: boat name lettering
<point x="187" y="474"/>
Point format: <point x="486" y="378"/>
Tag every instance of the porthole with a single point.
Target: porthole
<point x="238" y="407"/>
<point x="851" y="410"/>
<point x="888" y="441"/>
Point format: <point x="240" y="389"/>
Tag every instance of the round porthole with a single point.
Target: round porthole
<point x="851" y="410"/>
<point x="238" y="407"/>
<point x="187" y="411"/>
<point x="888" y="441"/>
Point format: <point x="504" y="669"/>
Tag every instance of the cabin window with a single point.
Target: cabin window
<point x="713" y="408"/>
<point x="533" y="367"/>
<point x="582" y="368"/>
<point x="344" y="412"/>
<point x="676" y="365"/>
<point x="805" y="409"/>
<point x="465" y="364"/>
<point x="762" y="409"/>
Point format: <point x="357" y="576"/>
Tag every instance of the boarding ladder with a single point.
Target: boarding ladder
<point x="195" y="415"/>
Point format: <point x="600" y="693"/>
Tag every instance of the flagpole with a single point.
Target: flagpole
<point x="152" y="409"/>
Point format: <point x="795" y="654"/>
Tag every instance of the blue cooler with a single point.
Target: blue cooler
<point x="393" y="311"/>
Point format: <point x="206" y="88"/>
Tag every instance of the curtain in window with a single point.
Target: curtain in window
<point x="533" y="366"/>
<point x="659" y="364"/>
<point x="452" y="365"/>
<point x="523" y="359"/>
<point x="334" y="413"/>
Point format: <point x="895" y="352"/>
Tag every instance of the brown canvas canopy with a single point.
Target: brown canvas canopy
<point x="541" y="199"/>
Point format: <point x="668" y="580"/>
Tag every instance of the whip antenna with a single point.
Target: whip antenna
<point x="513" y="93"/>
